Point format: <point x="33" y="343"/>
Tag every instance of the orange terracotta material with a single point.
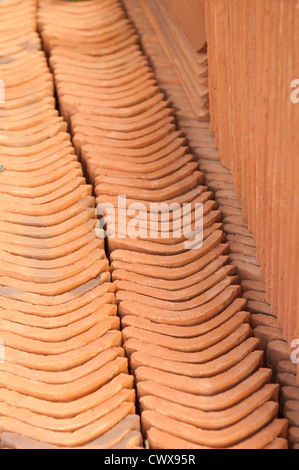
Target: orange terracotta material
<point x="254" y="116"/>
<point x="186" y="332"/>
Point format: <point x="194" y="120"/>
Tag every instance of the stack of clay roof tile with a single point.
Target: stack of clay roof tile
<point x="190" y="64"/>
<point x="63" y="374"/>
<point x="199" y="372"/>
<point x="255" y="120"/>
<point x="219" y="180"/>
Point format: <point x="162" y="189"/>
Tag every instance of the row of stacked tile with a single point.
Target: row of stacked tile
<point x="240" y="240"/>
<point x="253" y="71"/>
<point x="63" y="372"/>
<point x="199" y="372"/>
